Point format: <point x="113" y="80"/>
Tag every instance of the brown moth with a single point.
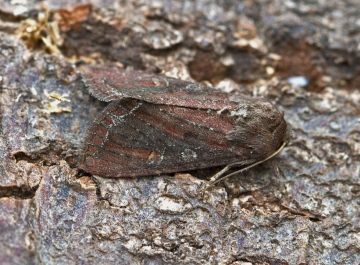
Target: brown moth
<point x="157" y="124"/>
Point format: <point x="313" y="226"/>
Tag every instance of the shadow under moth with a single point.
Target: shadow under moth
<point x="156" y="124"/>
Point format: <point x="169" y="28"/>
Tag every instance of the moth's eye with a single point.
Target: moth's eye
<point x="275" y="121"/>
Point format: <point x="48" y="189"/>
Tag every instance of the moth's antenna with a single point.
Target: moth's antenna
<point x="216" y="178"/>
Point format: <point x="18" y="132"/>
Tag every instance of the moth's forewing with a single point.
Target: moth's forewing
<point x="158" y="124"/>
<point x="131" y="138"/>
<point x="113" y="83"/>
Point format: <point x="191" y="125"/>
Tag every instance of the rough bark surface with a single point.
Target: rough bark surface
<point x="300" y="208"/>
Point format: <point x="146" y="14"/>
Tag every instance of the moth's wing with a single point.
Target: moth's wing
<point x="113" y="83"/>
<point x="134" y="138"/>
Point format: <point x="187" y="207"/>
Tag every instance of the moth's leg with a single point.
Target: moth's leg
<point x="217" y="177"/>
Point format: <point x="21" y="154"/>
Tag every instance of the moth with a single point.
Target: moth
<point x="156" y="124"/>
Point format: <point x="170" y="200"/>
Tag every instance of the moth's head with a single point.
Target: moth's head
<point x="261" y="127"/>
<point x="274" y="127"/>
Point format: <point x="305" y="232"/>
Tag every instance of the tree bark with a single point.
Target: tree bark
<point x="302" y="207"/>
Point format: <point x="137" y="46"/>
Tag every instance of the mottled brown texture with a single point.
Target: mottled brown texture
<point x="157" y="124"/>
<point x="302" y="207"/>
